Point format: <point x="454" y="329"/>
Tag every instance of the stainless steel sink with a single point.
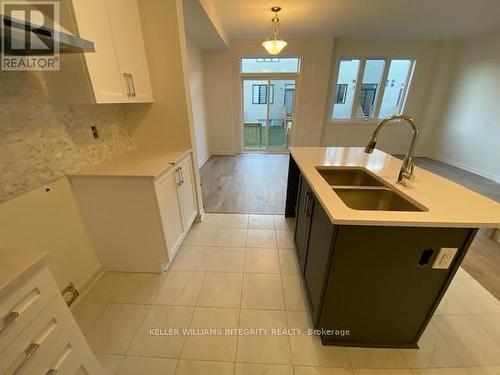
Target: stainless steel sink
<point x="348" y="177"/>
<point x="378" y="199"/>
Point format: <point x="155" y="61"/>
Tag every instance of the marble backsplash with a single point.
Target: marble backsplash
<point x="40" y="141"/>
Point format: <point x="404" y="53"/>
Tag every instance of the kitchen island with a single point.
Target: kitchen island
<point x="376" y="257"/>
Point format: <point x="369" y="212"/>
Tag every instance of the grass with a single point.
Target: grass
<point x="276" y="138"/>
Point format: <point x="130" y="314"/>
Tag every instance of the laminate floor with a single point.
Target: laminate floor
<point x="245" y="183"/>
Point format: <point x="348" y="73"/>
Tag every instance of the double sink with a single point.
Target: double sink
<point x="359" y="189"/>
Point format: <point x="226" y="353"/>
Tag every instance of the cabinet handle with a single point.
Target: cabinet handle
<point x="179" y="179"/>
<point x="182" y="175"/>
<point x="306" y="199"/>
<point x="133" y="85"/>
<point x="8" y="320"/>
<point x="127" y="82"/>
<point x="309" y="206"/>
<point x="28" y="353"/>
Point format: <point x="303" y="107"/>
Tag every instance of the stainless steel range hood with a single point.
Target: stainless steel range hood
<point x="12" y="29"/>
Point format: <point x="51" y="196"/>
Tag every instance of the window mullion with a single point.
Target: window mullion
<point x="383" y="85"/>
<point x="359" y="79"/>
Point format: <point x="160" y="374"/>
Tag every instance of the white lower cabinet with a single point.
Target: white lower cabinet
<point x="137" y="223"/>
<point x="41" y="337"/>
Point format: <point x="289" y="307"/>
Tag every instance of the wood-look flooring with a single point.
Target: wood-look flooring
<point x="256" y="183"/>
<point x="245" y="183"/>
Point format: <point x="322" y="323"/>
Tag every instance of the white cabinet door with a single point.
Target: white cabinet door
<point x="129" y="45"/>
<point x="170" y="211"/>
<point x="104" y="73"/>
<point x="187" y="193"/>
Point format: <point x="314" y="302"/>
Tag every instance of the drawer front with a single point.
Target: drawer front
<point x="19" y="307"/>
<point x="42" y="345"/>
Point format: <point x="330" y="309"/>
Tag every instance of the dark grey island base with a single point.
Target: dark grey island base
<point x="377" y="282"/>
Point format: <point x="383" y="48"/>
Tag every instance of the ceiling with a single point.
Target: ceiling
<point x="388" y="19"/>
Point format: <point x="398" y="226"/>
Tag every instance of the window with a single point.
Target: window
<point x="259" y="94"/>
<point x="270" y="65"/>
<point x="341" y="93"/>
<point x="372" y="98"/>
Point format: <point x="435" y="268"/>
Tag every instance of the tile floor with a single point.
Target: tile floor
<point x="239" y="271"/>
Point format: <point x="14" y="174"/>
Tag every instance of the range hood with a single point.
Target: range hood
<point x="68" y="43"/>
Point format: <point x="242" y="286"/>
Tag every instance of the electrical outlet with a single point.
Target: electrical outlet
<point x="70" y="293"/>
<point x="444" y="258"/>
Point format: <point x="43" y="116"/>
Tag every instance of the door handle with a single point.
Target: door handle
<point x="309" y="205"/>
<point x="127" y="82"/>
<point x="8" y="320"/>
<point x="134" y="94"/>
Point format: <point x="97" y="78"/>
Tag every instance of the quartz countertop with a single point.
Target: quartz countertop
<point x="13" y="264"/>
<point x="448" y="204"/>
<point x="137" y="163"/>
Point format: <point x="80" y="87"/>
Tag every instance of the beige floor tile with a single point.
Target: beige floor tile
<point x="265" y="348"/>
<point x="285" y="239"/>
<point x="308" y="350"/>
<point x="190" y="367"/>
<point x="116" y="328"/>
<point x="164" y="343"/>
<point x="440" y="371"/>
<point x="450" y="305"/>
<point x="180" y="288"/>
<point x="150" y="366"/>
<point x="232" y="237"/>
<point x="261" y="238"/>
<point x="295" y="298"/>
<point x="288" y="261"/>
<point x="282" y="223"/>
<point x="191" y="258"/>
<point x="109" y="362"/>
<point x="198" y="236"/>
<point x="474" y="297"/>
<point x="260" y="222"/>
<point x="262" y="291"/>
<point x="210" y="221"/>
<point x="86" y="313"/>
<point x="465" y="336"/>
<point x="433" y="351"/>
<point x="263" y="260"/>
<point x="490" y="323"/>
<point x="302" y="370"/>
<point x="126" y="287"/>
<point x="226" y="259"/>
<point x="212" y="347"/>
<point x="261" y="369"/>
<point x="385" y="371"/>
<point x="376" y="358"/>
<point x="235" y="221"/>
<point x="221" y="290"/>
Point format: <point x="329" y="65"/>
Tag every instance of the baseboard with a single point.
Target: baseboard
<point x="468" y="168"/>
<point x="204" y="161"/>
<point x="222" y="153"/>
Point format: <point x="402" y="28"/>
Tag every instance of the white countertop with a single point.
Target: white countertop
<point x="13" y="264"/>
<point x="137" y="163"/>
<point x="448" y="204"/>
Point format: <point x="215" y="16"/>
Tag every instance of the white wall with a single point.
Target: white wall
<point x="218" y="101"/>
<point x="394" y="138"/>
<point x="467" y="131"/>
<point x="195" y="62"/>
<point x="51" y="222"/>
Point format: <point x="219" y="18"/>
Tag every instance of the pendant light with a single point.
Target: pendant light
<point x="273" y="43"/>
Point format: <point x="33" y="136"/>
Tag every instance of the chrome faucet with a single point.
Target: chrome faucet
<point x="406" y="172"/>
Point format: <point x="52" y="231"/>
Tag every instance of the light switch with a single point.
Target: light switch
<point x="444" y="258"/>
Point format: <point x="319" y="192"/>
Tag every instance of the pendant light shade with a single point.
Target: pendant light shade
<point x="274" y="47"/>
<point x="273" y="44"/>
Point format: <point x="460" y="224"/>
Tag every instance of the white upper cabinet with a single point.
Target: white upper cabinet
<point x="118" y="70"/>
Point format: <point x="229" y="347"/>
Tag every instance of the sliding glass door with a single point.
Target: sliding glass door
<point x="268" y="106"/>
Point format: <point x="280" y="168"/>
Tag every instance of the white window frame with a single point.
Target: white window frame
<point x="380" y="93"/>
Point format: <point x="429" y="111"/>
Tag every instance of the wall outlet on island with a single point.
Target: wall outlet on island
<point x="445" y="258"/>
<point x="70" y="293"/>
